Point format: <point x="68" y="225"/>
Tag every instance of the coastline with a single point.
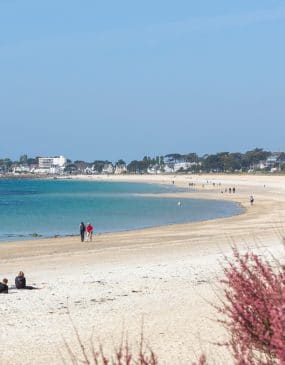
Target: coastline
<point x="171" y="192"/>
<point x="123" y="276"/>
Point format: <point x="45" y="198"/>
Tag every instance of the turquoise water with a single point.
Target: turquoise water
<point x="56" y="207"/>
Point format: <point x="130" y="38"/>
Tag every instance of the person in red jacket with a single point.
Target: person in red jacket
<point x="89" y="230"/>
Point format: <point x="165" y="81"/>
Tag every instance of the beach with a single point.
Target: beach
<point x="164" y="277"/>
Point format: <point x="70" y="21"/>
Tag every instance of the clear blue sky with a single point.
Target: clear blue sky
<point x="122" y="79"/>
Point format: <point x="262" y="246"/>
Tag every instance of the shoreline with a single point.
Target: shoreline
<point x="146" y="179"/>
<point x="183" y="194"/>
<point x="125" y="276"/>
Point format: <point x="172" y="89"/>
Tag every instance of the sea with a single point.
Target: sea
<point x="50" y="208"/>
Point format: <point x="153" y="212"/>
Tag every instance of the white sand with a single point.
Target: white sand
<point x="165" y="276"/>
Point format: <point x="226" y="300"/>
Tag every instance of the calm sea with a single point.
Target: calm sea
<point x="56" y="207"/>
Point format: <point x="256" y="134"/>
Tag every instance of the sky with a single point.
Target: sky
<point x="123" y="79"/>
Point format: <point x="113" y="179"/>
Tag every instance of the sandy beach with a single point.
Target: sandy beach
<point x="165" y="276"/>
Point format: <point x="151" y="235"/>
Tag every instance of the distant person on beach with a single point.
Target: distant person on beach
<point x="4" y="286"/>
<point x="234" y="189"/>
<point x="20" y="281"/>
<point x="89" y="230"/>
<point x="82" y="229"/>
<point x="251" y="199"/>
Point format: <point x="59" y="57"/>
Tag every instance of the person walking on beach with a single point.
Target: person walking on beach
<point x="82" y="229"/>
<point x="20" y="281"/>
<point x="89" y="230"/>
<point x="4" y="286"/>
<point x="251" y="199"/>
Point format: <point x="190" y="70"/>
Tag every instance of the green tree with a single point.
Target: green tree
<point x="23" y="159"/>
<point x="191" y="157"/>
<point x="256" y="155"/>
<point x="133" y="167"/>
<point x="99" y="165"/>
<point x="5" y="164"/>
<point x="138" y="167"/>
<point x="120" y="163"/>
<point x="174" y="157"/>
<point x="233" y="162"/>
<point x="33" y="161"/>
<point x="70" y="168"/>
<point x="214" y="162"/>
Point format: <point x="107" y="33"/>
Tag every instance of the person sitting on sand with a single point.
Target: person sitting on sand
<point x="4" y="286"/>
<point x="89" y="230"/>
<point x="20" y="281"/>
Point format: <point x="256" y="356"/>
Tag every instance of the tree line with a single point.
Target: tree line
<point x="219" y="162"/>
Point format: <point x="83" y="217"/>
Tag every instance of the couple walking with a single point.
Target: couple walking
<point x="86" y="232"/>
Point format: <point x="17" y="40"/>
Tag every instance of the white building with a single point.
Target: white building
<point x="154" y="170"/>
<point x="168" y="168"/>
<point x="272" y="163"/>
<point x="45" y="162"/>
<point x="52" y="165"/>
<point x="108" y="169"/>
<point x="120" y="169"/>
<point x="21" y="169"/>
<point x="59" y="161"/>
<point x="183" y="166"/>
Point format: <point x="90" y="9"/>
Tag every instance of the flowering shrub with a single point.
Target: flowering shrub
<point x="123" y="355"/>
<point x="202" y="361"/>
<point x="255" y="310"/>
